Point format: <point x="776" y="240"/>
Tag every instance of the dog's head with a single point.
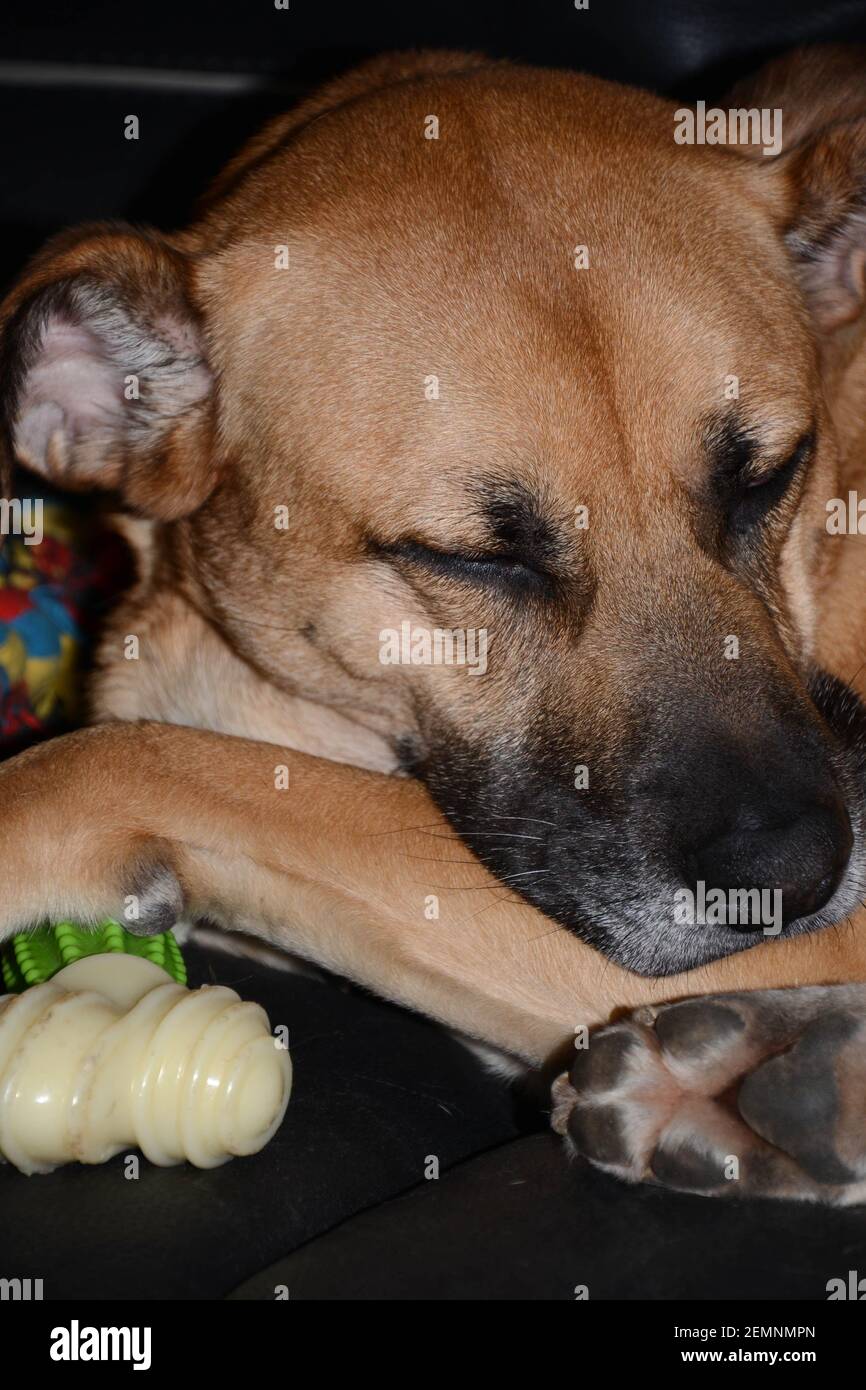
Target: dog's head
<point x="479" y="407"/>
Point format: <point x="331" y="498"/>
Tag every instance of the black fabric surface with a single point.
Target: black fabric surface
<point x="522" y="1223"/>
<point x="376" y="1090"/>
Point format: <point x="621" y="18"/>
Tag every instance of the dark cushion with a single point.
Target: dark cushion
<point x="522" y="1223"/>
<point x="376" y="1091"/>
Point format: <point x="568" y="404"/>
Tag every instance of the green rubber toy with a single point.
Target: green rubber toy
<point x="33" y="957"/>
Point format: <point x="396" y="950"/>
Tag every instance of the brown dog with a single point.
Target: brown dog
<point x="466" y="353"/>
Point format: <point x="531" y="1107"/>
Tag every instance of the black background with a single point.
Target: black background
<point x="69" y="73"/>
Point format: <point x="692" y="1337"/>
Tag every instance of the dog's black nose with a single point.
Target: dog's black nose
<point x="798" y="851"/>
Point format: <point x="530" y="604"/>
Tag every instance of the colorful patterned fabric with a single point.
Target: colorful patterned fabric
<point x="51" y="597"/>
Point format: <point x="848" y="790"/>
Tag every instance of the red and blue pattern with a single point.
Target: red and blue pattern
<point x="51" y="596"/>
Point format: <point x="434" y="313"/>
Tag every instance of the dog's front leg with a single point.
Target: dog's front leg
<point x="355" y="870"/>
<point x="352" y="869"/>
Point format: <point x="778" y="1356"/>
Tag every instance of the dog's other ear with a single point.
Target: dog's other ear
<point x="105" y="378"/>
<point x="821" y="93"/>
<point x="825" y="227"/>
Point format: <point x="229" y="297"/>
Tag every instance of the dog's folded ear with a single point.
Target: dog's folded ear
<point x="820" y="94"/>
<point x="825" y="225"/>
<point x="105" y="378"/>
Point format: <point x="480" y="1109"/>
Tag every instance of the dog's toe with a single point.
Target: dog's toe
<point x="696" y="1025"/>
<point x="699" y="1148"/>
<point x="618" y="1097"/>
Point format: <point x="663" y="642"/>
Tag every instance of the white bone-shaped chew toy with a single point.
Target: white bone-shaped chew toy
<point x="110" y="1054"/>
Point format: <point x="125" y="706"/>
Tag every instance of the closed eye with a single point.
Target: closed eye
<point x="755" y="498"/>
<point x="491" y="569"/>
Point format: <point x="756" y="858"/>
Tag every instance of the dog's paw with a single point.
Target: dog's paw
<point x="144" y="895"/>
<point x="760" y="1094"/>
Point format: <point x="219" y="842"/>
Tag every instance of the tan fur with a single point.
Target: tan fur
<point x="263" y="646"/>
